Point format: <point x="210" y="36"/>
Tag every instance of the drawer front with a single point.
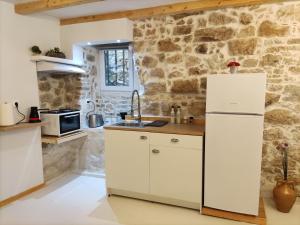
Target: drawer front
<point x="177" y="141"/>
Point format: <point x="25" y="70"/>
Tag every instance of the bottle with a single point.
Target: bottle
<point x="172" y="115"/>
<point x="178" y="115"/>
<point x="185" y="119"/>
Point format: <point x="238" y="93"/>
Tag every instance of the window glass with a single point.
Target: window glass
<point x="116" y="63"/>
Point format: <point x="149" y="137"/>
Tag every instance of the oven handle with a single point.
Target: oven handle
<point x="71" y="116"/>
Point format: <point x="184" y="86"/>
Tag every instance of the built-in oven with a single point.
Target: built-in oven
<point x="60" y="122"/>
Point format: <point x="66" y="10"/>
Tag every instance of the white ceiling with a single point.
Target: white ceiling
<point x="105" y="6"/>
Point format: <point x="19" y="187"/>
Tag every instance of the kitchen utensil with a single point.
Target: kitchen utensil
<point x="34" y="115"/>
<point x="95" y="120"/>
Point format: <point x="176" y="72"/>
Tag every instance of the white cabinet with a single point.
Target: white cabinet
<point x="127" y="160"/>
<point x="176" y="173"/>
<point x="162" y="167"/>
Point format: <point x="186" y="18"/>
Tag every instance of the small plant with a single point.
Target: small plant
<point x="233" y="65"/>
<point x="36" y="50"/>
<point x="55" y="52"/>
<point x="283" y="147"/>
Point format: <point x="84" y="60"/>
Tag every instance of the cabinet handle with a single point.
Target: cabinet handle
<point x="155" y="151"/>
<point x="143" y="137"/>
<point x="174" y="140"/>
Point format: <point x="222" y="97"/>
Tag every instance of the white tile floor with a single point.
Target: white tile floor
<point x="81" y="200"/>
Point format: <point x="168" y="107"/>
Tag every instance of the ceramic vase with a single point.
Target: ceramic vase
<point x="284" y="195"/>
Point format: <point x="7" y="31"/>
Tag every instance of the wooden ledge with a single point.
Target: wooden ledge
<point x="260" y="219"/>
<point x="47" y="139"/>
<point x="21" y="126"/>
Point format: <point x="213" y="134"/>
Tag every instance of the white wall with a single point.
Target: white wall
<point x="20" y="151"/>
<point x="99" y="32"/>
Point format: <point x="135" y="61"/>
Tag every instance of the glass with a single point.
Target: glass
<point x="116" y="67"/>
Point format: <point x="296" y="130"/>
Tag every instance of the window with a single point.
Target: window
<point x="116" y="66"/>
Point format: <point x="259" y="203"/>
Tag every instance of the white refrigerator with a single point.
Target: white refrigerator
<point x="233" y="142"/>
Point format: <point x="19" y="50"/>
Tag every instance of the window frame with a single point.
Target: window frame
<point x="103" y="85"/>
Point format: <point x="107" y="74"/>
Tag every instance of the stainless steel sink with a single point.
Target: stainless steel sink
<point x="131" y="124"/>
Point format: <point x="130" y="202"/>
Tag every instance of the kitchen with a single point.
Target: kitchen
<point x="174" y="55"/>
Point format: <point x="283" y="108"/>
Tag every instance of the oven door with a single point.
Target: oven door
<point x="69" y="123"/>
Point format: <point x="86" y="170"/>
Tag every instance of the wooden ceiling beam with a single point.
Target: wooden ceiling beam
<point x="44" y="5"/>
<point x="167" y="9"/>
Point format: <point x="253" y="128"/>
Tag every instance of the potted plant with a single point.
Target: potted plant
<point x="36" y="50"/>
<point x="284" y="193"/>
<point x="55" y="52"/>
<point x="233" y="65"/>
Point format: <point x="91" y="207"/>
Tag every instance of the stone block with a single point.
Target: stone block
<point x="213" y="34"/>
<point x="271" y="98"/>
<point x="201" y="49"/>
<point x="157" y="72"/>
<point x="182" y="30"/>
<point x="281" y="116"/>
<point x="155" y="88"/>
<point x="185" y="86"/>
<point x="242" y="46"/>
<point x="271" y="29"/>
<point x="246" y="18"/>
<point x="196" y="108"/>
<point x="175" y="74"/>
<point x="175" y="59"/>
<point x="220" y="19"/>
<point x="270" y="60"/>
<point x="196" y="71"/>
<point x="149" y="62"/>
<point x="167" y="46"/>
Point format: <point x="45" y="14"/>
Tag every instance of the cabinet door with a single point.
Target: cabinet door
<point x="176" y="173"/>
<point x="127" y="160"/>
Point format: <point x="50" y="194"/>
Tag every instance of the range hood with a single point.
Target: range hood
<point x="45" y="64"/>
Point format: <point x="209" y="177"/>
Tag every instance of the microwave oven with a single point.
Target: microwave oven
<point x="60" y="122"/>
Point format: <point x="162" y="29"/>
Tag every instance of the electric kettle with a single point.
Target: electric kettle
<point x="94" y="120"/>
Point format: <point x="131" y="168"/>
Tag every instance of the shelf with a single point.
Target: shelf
<point x="21" y="126"/>
<point x="47" y="139"/>
<point x="39" y="58"/>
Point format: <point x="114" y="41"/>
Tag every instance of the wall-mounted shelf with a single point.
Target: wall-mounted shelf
<point x="21" y="126"/>
<point x="58" y="140"/>
<point x="39" y="58"/>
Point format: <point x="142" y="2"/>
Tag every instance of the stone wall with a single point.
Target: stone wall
<point x="59" y="90"/>
<point x="58" y="159"/>
<point x="73" y="91"/>
<point x="175" y="54"/>
<point x="108" y="103"/>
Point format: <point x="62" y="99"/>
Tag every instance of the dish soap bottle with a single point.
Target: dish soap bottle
<point x="172" y="115"/>
<point x="178" y="115"/>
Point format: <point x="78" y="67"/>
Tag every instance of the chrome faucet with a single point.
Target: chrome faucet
<point x="139" y="118"/>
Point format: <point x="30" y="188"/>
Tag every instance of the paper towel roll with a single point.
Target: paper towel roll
<point x="7" y="114"/>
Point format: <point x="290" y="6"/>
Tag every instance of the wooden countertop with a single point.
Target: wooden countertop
<point x="21" y="126"/>
<point x="183" y="129"/>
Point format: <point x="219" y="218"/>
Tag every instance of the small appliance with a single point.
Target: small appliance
<point x="34" y="115"/>
<point x="93" y="119"/>
<point x="7" y="114"/>
<point x="60" y="121"/>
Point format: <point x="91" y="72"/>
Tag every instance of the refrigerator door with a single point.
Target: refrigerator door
<point x="233" y="148"/>
<point x="236" y="93"/>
